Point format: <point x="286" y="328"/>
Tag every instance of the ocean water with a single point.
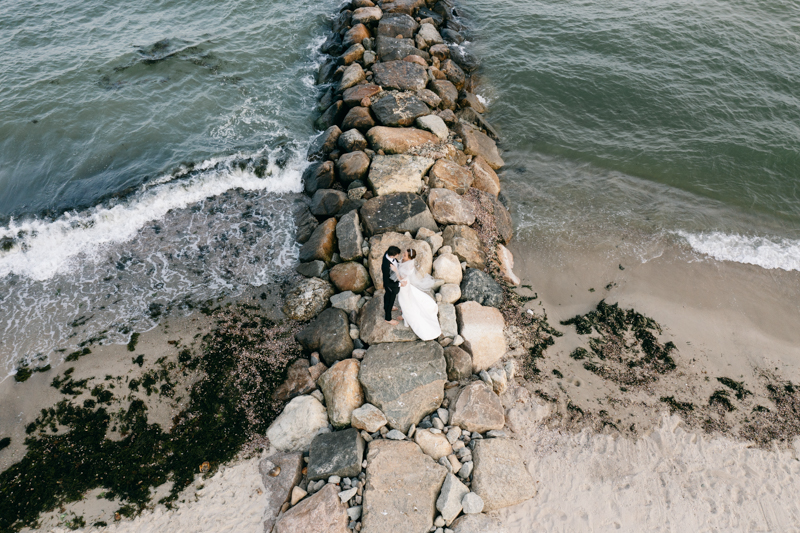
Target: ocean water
<point x="150" y="154"/>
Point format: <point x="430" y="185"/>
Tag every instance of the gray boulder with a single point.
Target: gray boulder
<point x="279" y="473"/>
<point x="471" y="116"/>
<point x="322" y="243"/>
<point x="307" y="299"/>
<point x="405" y="380"/>
<point x="449" y="501"/>
<point x="313" y="269"/>
<point x="465" y="59"/>
<point x="477" y="408"/>
<point x="329" y="335"/>
<point x="499" y="476"/>
<point x="318" y="176"/>
<point x="393" y="49"/>
<point x="398" y="173"/>
<point x="459" y="363"/>
<point x="352" y="140"/>
<point x="352" y="167"/>
<point x="400" y="75"/>
<point x="327" y="202"/>
<point x="447" y="320"/>
<point x="466" y="245"/>
<point x="324" y="143"/>
<point x="348" y="234"/>
<point x="336" y="454"/>
<point x="397" y="24"/>
<point x="477" y="523"/>
<point x="478" y="286"/>
<point x="346" y="301"/>
<point x="399" y="109"/>
<point x="399" y="213"/>
<point x="332" y="116"/>
<point x="305" y="223"/>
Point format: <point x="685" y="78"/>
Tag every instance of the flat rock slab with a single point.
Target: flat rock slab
<point x="399" y="212"/>
<point x="397" y="24"/>
<point x="499" y="476"/>
<point x="279" y="473"/>
<point x="400" y="75"/>
<point x="477" y="408"/>
<point x="336" y="454"/>
<point x="380" y="243"/>
<point x="375" y="329"/>
<point x="405" y="380"/>
<point x="399" y="109"/>
<point x="401" y="488"/>
<point x="321" y="513"/>
<point x="398" y="140"/>
<point x="398" y="173"/>
<point x="482" y="330"/>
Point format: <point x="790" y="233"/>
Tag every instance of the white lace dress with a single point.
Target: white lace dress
<point x="420" y="311"/>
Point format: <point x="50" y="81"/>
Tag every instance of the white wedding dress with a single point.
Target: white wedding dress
<point x="420" y="311"/>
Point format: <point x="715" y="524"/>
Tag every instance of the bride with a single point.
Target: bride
<point x="419" y="310"/>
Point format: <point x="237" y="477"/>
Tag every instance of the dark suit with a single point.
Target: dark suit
<point x="391" y="286"/>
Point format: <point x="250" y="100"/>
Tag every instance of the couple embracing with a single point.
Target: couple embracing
<point x="403" y="282"/>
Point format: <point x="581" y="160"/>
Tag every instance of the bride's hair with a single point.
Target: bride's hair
<point x="411" y="253"/>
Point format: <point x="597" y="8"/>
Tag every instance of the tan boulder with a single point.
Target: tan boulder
<point x="482" y="330"/>
<point x="398" y="140"/>
<point x="466" y="245"/>
<point x="342" y="390"/>
<point x="499" y="476"/>
<point x="447" y="267"/>
<point x="350" y="276"/>
<point x="485" y="179"/>
<point x="447" y="207"/>
<point x="359" y="118"/>
<point x="322" y="244"/>
<point x="434" y="444"/>
<point x="322" y="513"/>
<point x="448" y="175"/>
<point x="477" y="143"/>
<point x="354" y="95"/>
<point x="477" y="408"/>
<point x="391" y="174"/>
<point x="369" y="418"/>
<point x="506" y="261"/>
<point x="354" y="35"/>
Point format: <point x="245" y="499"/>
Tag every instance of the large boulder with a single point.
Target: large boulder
<point x="352" y="75"/>
<point x="329" y="335"/>
<point x="400" y="75"/>
<point x="353" y="54"/>
<point x="449" y="501"/>
<point x="399" y="212"/>
<point x="314" y="269"/>
<point x="330" y="118"/>
<point x="405" y="380"/>
<point x="380" y="243"/>
<point x="505" y="260"/>
<point x="369" y="418"/>
<point x="446" y="91"/>
<point x="298" y="424"/>
<point x="470" y="116"/>
<point x="359" y="118"/>
<point x="327" y="202"/>
<point x="471" y="100"/>
<point x="447" y="268"/>
<point x="450" y="293"/>
<point x="391" y="174"/>
<point x="346" y="301"/>
<point x="342" y="391"/>
<point x="428" y="34"/>
<point x="375" y="329"/>
<point x="433" y="238"/>
<point x="485" y="179"/>
<point x="324" y="143"/>
<point x="354" y="95"/>
<point x="454" y="74"/>
<point x="398" y="140"/>
<point x="477" y="408"/>
<point x="279" y="473"/>
<point x="502" y="219"/>
<point x="447" y="320"/>
<point x="482" y="330"/>
<point x="318" y="176"/>
<point x="323" y="512"/>
<point x="353" y="166"/>
<point x="480" y="287"/>
<point x="408" y="7"/>
<point x="336" y="454"/>
<point x="459" y="363"/>
<point x="352" y="140"/>
<point x="479" y="144"/>
<point x="434" y="124"/>
<point x="499" y="476"/>
<point x="307" y="299"/>
<point x="367" y="15"/>
<point x="393" y="49"/>
<point x="399" y="109"/>
<point x="448" y="207"/>
<point x="322" y="243"/>
<point x="397" y="24"/>
<point x="465" y="59"/>
<point x="305" y="223"/>
<point x="466" y="245"/>
<point x="448" y="175"/>
<point x="350" y="276"/>
<point x="298" y="382"/>
<point x="348" y="233"/>
<point x="434" y="444"/>
<point x="401" y="489"/>
<point x="354" y="35"/>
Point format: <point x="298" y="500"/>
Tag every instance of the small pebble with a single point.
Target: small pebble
<point x="318" y="395"/>
<point x="444" y="415"/>
<point x="439" y="522"/>
<point x="395" y="435"/>
<point x="485" y="377"/>
<point x="445" y="463"/>
<point x="334" y="479"/>
<point x="435" y="431"/>
<point x="472" y="503"/>
<point x="363" y="465"/>
<point x="366" y="436"/>
<point x="345" y="495"/>
<point x="384" y="430"/>
<point x="453" y="434"/>
<point x="466" y="470"/>
<point x="496" y="434"/>
<point x="411" y="430"/>
<point x="438" y="424"/>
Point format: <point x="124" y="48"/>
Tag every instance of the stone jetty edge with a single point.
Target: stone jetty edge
<point x="383" y="432"/>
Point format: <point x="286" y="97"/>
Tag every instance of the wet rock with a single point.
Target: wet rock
<point x="279" y="473"/>
<point x="342" y="22"/>
<point x="318" y="176"/>
<point x="380" y="243"/>
<point x="392" y="174"/>
<point x="375" y="329"/>
<point x="477" y="408"/>
<point x="447" y="207"/>
<point x="447" y="267"/>
<point x="471" y="116"/>
<point x="447" y="320"/>
<point x="352" y="167"/>
<point x="348" y="234"/>
<point x="359" y="118"/>
<point x="446" y="174"/>
<point x="298" y="424"/>
<point x="425" y="13"/>
<point x="332" y="45"/>
<point x="466" y="60"/>
<point x="343" y="394"/>
<point x="405" y="380"/>
<point x="354" y="35"/>
<point x="400" y="75"/>
<point x="459" y="363"/>
<point x="332" y="116"/>
<point x="454" y="74"/>
<point x="449" y="501"/>
<point x="352" y="140"/>
<point x="435" y="125"/>
<point x="298" y="381"/>
<point x="392" y="49"/>
<point x="445" y="90"/>
<point x="324" y="143"/>
<point x="401" y="488"/>
<point x="399" y="109"/>
<point x="322" y="243"/>
<point x="452" y="36"/>
<point x="352" y="54"/>
<point x="505" y="260"/>
<point x="354" y="95"/>
<point x="327" y="71"/>
<point x="307" y="299"/>
<point x="398" y="140"/>
<point x="485" y="179"/>
<point x="369" y="418"/>
<point x="479" y="144"/>
<point x="466" y="245"/>
<point x="314" y="269"/>
<point x="329" y="335"/>
<point x="471" y="100"/>
<point x="367" y="15"/>
<point x="352" y="75"/>
<point x="305" y="222"/>
<point x="500" y="477"/>
<point x="433" y="444"/>
<point x="482" y="330"/>
<point x="397" y="24"/>
<point x="322" y="512"/>
<point x="480" y="287"/>
<point x="450" y="293"/>
<point x="327" y="202"/>
<point x="350" y="276"/>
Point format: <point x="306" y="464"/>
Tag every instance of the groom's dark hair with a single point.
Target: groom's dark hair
<point x="393" y="251"/>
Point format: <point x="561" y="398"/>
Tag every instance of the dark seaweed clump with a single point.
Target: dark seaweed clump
<point x="737" y="387"/>
<point x="675" y="406"/>
<point x="68" y="453"/>
<point x="627" y="350"/>
<point x="133" y="342"/>
<point x="779" y="424"/>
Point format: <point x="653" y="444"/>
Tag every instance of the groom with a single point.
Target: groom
<point x="391" y="286"/>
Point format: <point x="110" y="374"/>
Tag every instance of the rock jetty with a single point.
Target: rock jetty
<point x="384" y="432"/>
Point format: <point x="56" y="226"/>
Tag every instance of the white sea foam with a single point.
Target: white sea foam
<point x="767" y="253"/>
<point x="48" y="247"/>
